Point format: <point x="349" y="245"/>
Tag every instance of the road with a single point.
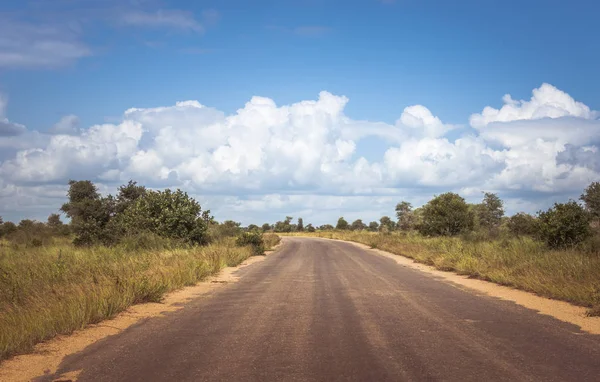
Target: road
<point x="320" y="310"/>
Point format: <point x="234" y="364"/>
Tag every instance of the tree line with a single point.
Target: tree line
<point x="563" y="225"/>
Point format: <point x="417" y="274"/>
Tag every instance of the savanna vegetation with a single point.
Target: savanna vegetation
<point x="115" y="251"/>
<point x="554" y="253"/>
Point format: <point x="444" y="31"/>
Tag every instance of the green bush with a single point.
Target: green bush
<point x="564" y="225"/>
<point x="253" y="239"/>
<point x="168" y="214"/>
<point x="446" y="215"/>
<point x="523" y="224"/>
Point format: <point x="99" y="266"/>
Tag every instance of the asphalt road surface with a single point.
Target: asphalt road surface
<point x="320" y="310"/>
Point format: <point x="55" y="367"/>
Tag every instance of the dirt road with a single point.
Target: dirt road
<point x="320" y="310"/>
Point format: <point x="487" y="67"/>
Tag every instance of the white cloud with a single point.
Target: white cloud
<point x="302" y="158"/>
<point x="170" y="18"/>
<point x="69" y="125"/>
<point x="34" y="45"/>
<point x="8" y="128"/>
<point x="546" y="102"/>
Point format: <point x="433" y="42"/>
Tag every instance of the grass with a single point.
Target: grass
<point x="58" y="288"/>
<point x="522" y="263"/>
<point x="270" y="240"/>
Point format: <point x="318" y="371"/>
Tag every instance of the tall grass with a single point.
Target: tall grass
<point x="523" y="263"/>
<point x="58" y="288"/>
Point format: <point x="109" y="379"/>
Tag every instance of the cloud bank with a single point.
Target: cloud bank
<point x="265" y="160"/>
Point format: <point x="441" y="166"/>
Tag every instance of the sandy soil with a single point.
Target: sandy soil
<point x="48" y="355"/>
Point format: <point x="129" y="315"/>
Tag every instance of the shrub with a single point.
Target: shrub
<point x="253" y="239"/>
<point x="446" y="215"/>
<point x="523" y="224"/>
<point x="564" y="225"/>
<point x="358" y="225"/>
<point x="168" y="214"/>
<point x="342" y="224"/>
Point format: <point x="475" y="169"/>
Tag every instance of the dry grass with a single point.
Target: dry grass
<point x="523" y="263"/>
<point x="56" y="289"/>
<point x="270" y="240"/>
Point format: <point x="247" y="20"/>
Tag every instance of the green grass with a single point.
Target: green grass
<point x="58" y="288"/>
<point x="522" y="263"/>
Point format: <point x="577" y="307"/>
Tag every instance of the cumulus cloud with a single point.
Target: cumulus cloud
<point x="546" y="102"/>
<point x="303" y="157"/>
<point x="69" y="124"/>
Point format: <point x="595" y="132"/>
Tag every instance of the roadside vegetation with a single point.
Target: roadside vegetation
<point x="555" y="253"/>
<point x="116" y="251"/>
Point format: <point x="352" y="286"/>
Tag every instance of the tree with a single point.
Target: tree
<point x="54" y="221"/>
<point x="300" y="226"/>
<point x="358" y="225"/>
<point x="7" y="228"/>
<point x="167" y="213"/>
<point x="373" y="226"/>
<point x="284" y="226"/>
<point x="310" y="228"/>
<point x="341" y="224"/>
<point x="252" y="227"/>
<point x="446" y="215"/>
<point x="490" y="211"/>
<point x="591" y="198"/>
<point x="128" y="193"/>
<point x="564" y="225"/>
<point x="522" y="224"/>
<point x="90" y="214"/>
<point x="208" y="218"/>
<point x="405" y="215"/>
<point x="266" y="227"/>
<point x="326" y="227"/>
<point x="386" y="224"/>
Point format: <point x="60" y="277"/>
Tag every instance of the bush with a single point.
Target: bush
<point x="168" y="214"/>
<point x="564" y="225"/>
<point x="523" y="224"/>
<point x="253" y="239"/>
<point x="446" y="215"/>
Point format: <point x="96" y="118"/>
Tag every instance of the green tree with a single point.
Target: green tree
<point x="358" y="225"/>
<point x="522" y="224"/>
<point x="326" y="227"/>
<point x="300" y="226"/>
<point x="168" y="214"/>
<point x="490" y="211"/>
<point x="128" y="193"/>
<point x="252" y="227"/>
<point x="446" y="215"/>
<point x="90" y="214"/>
<point x="310" y="228"/>
<point x="266" y="227"/>
<point x="564" y="225"/>
<point x="342" y="224"/>
<point x="591" y="198"/>
<point x="54" y="221"/>
<point x="405" y="215"/>
<point x="284" y="226"/>
<point x="386" y="224"/>
<point x="373" y="226"/>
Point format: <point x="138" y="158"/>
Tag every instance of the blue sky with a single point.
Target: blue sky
<point x="95" y="59"/>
